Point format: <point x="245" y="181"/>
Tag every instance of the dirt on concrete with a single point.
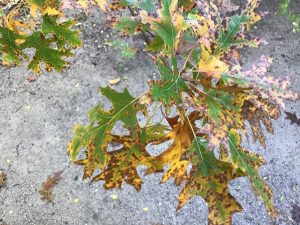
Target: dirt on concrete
<point x="36" y="121"/>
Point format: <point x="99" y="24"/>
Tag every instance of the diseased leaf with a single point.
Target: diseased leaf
<point x="214" y="110"/>
<point x="209" y="179"/>
<point x="122" y="164"/>
<point x="182" y="137"/>
<point x="62" y="31"/>
<point x="96" y="136"/>
<point x="228" y="38"/>
<point x="211" y="65"/>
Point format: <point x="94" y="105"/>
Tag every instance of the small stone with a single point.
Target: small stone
<point x="114" y="197"/>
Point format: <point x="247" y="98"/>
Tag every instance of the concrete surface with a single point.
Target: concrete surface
<point x="36" y="121"/>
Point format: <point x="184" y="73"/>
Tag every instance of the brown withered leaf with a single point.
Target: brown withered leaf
<point x="3" y="179"/>
<point x="46" y="190"/>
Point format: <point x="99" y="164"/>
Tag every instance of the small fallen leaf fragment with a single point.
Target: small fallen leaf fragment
<point x="31" y="78"/>
<point x="76" y="200"/>
<point x="115" y="81"/>
<point x="3" y="179"/>
<point x="114" y="197"/>
<point x="48" y="185"/>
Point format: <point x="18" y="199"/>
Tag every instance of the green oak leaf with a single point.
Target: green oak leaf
<point x="170" y="88"/>
<point x="249" y="163"/>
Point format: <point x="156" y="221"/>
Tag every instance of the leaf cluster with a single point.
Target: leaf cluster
<point x="33" y="30"/>
<point x="205" y="96"/>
